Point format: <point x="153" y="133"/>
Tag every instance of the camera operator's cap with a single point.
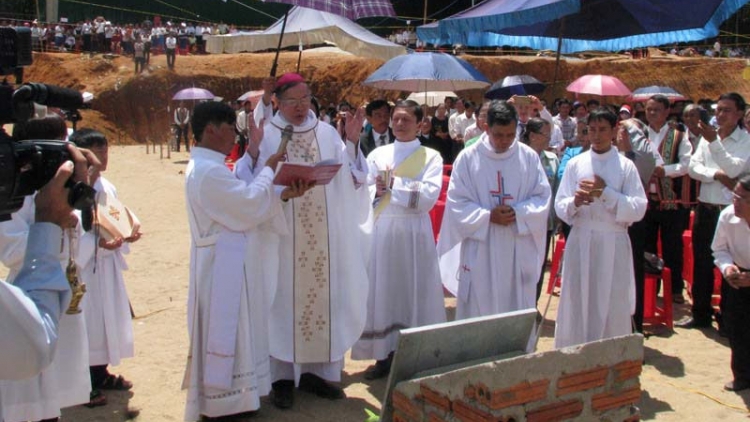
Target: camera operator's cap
<point x="288" y="78"/>
<point x="626" y="109"/>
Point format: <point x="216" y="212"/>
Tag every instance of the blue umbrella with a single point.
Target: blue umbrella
<point x="514" y="85"/>
<point x="420" y="72"/>
<point x="613" y="25"/>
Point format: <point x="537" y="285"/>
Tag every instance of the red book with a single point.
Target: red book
<point x="321" y="173"/>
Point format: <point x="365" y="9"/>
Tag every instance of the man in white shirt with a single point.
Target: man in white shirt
<point x="731" y="247"/>
<point x="181" y="119"/>
<point x="721" y="157"/>
<point x="171" y="46"/>
<point x="565" y="121"/>
<point x="242" y="124"/>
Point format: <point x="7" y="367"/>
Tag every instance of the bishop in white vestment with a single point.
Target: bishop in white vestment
<point x="228" y="300"/>
<point x="600" y="195"/>
<point x="491" y="242"/>
<point x="405" y="289"/>
<point x="320" y="303"/>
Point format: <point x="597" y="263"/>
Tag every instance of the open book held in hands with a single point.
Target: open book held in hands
<point x="321" y="173"/>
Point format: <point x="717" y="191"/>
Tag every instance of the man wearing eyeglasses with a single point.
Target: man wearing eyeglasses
<point x="721" y="157"/>
<point x="319" y="310"/>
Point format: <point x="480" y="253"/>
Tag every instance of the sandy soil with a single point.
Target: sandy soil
<point x="684" y="371"/>
<point x="682" y="378"/>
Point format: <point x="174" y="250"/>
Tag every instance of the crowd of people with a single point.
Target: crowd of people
<point x="519" y="174"/>
<point x="286" y="279"/>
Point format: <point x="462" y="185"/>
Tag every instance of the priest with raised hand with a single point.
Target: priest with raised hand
<point x="600" y="196"/>
<point x="492" y="238"/>
<point x="405" y="291"/>
<point x="321" y="295"/>
<point x="228" y="298"/>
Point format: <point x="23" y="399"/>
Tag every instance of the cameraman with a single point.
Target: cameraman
<point x="31" y="307"/>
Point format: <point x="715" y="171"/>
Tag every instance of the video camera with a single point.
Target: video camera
<point x="26" y="166"/>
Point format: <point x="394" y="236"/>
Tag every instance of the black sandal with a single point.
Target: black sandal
<point x="115" y="382"/>
<point x="96" y="399"/>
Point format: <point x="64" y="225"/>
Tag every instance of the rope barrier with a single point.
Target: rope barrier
<point x="700" y="393"/>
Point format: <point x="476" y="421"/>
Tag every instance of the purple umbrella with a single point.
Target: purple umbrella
<point x="194" y="94"/>
<point x="351" y="9"/>
<point x="643" y="94"/>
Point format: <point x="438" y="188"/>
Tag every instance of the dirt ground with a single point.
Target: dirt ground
<point x="684" y="370"/>
<point x="135" y="109"/>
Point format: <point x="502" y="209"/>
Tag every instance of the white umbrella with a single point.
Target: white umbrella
<point x="431" y="98"/>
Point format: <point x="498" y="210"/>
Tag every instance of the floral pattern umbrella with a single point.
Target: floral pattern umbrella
<point x="352" y="9"/>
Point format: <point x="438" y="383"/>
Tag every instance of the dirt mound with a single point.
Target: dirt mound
<point x="135" y="108"/>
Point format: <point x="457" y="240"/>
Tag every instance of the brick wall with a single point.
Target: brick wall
<point x="592" y="382"/>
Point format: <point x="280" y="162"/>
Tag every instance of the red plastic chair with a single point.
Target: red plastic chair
<point x="716" y="296"/>
<point x="436" y="213"/>
<point x="555" y="270"/>
<point x="653" y="314"/>
<point x="687" y="260"/>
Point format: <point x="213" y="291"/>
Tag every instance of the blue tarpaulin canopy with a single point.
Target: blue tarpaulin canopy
<point x="613" y="25"/>
<point x="608" y="25"/>
<point x="493" y="15"/>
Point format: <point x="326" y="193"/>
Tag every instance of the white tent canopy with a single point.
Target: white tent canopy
<point x="309" y="27"/>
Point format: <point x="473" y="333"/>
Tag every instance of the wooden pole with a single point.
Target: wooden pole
<point x="424" y="17"/>
<point x="559" y="49"/>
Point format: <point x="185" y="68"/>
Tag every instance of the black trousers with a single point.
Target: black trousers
<point x="98" y="374"/>
<point x="637" y="234"/>
<point x="669" y="225"/>
<point x="704" y="227"/>
<point x="86" y="42"/>
<point x="736" y="313"/>
<point x="182" y="132"/>
<point x="170" y="57"/>
<point x="242" y="144"/>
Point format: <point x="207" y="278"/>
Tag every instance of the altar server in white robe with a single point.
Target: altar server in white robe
<point x="492" y="238"/>
<point x="600" y="195"/>
<point x="405" y="289"/>
<point x="106" y="305"/>
<point x="66" y="381"/>
<point x="227" y="369"/>
<point x="320" y="305"/>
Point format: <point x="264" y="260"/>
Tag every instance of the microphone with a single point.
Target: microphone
<point x="286" y="136"/>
